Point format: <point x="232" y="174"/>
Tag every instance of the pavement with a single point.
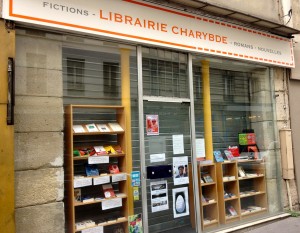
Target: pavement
<point x="286" y="225"/>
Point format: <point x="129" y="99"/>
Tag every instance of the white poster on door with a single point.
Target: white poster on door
<point x="159" y="196"/>
<point x="180" y="202"/>
<point x="180" y="170"/>
<point x="178" y="146"/>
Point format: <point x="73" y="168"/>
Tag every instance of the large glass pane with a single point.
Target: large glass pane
<point x="243" y="127"/>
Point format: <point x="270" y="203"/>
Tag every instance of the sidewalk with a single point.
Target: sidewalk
<point x="287" y="225"/>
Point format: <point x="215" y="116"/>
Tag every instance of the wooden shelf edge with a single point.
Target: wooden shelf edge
<point x="211" y="203"/>
<point x="253" y="194"/>
<point x="99" y="201"/>
<point x="254" y="212"/>
<point x="87" y="157"/>
<point x="98" y="133"/>
<point x="251" y="177"/>
<point x="207" y="184"/>
<point x="230" y="199"/>
<point x="105" y="224"/>
<point x="210" y="223"/>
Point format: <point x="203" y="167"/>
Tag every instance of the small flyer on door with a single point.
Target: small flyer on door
<point x="159" y="196"/>
<point x="152" y="125"/>
<point x="180" y="170"/>
<point x="180" y="202"/>
<point x="135" y="223"/>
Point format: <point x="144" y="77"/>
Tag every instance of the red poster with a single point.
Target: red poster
<point x="152" y="125"/>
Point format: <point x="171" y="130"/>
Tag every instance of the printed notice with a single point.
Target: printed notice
<point x="98" y="159"/>
<point x="101" y="180"/>
<point x="111" y="203"/>
<point x="118" y="177"/>
<point x="178" y="147"/>
<point x="154" y="158"/>
<point x="98" y="229"/>
<point x="82" y="182"/>
<point x="200" y="148"/>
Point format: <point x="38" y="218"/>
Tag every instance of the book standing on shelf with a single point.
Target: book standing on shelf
<point x="91" y="128"/>
<point x="103" y="128"/>
<point x="91" y="170"/>
<point x="113" y="169"/>
<point x="207" y="178"/>
<point x="100" y="150"/>
<point x="77" y="194"/>
<point x="115" y="127"/>
<point x="108" y="191"/>
<point x="78" y="129"/>
<point x="241" y="171"/>
<point x="218" y="156"/>
<point x="231" y="210"/>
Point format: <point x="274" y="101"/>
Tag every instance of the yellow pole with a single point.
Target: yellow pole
<point x="207" y="110"/>
<point x="7" y="192"/>
<point x="125" y="77"/>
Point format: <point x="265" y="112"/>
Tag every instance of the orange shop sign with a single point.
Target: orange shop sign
<point x="142" y="22"/>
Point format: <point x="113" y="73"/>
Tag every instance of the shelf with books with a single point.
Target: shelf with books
<point x="228" y="192"/>
<point x="95" y="166"/>
<point x="252" y="185"/>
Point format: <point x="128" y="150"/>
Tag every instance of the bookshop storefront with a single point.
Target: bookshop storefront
<point x="169" y="121"/>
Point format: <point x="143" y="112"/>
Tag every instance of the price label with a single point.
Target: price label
<point x="98" y="159"/>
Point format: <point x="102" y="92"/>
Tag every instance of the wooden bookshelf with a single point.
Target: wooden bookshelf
<point x="77" y="210"/>
<point x="208" y="195"/>
<point x="228" y="191"/>
<point x="241" y="185"/>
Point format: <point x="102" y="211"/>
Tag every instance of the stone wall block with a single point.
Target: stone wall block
<point x="43" y="53"/>
<point x="38" y="82"/>
<point x="35" y="187"/>
<point x="38" y="114"/>
<point x="48" y="218"/>
<point x="38" y="150"/>
<point x="274" y="196"/>
<point x="282" y="106"/>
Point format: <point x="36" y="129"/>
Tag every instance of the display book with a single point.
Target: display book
<point x="95" y="160"/>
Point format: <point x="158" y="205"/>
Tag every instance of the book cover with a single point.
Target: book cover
<point x="108" y="191"/>
<point x="100" y="150"/>
<point x="241" y="171"/>
<point x="103" y="128"/>
<point x="207" y="179"/>
<point x="91" y="170"/>
<point x="118" y="149"/>
<point x="218" y="156"/>
<point x="78" y="129"/>
<point x="77" y="194"/>
<point x="109" y="149"/>
<point x="113" y="169"/>
<point x="86" y="199"/>
<point x="231" y="210"/>
<point x="115" y="126"/>
<point x="91" y="128"/>
<point x="228" y="155"/>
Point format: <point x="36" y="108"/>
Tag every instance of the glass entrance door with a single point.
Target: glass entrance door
<point x="168" y="160"/>
<point x="167" y="156"/>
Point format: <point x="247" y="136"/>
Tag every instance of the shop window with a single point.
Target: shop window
<point x="165" y="73"/>
<point x="110" y="75"/>
<point x="229" y="87"/>
<point x="75" y="75"/>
